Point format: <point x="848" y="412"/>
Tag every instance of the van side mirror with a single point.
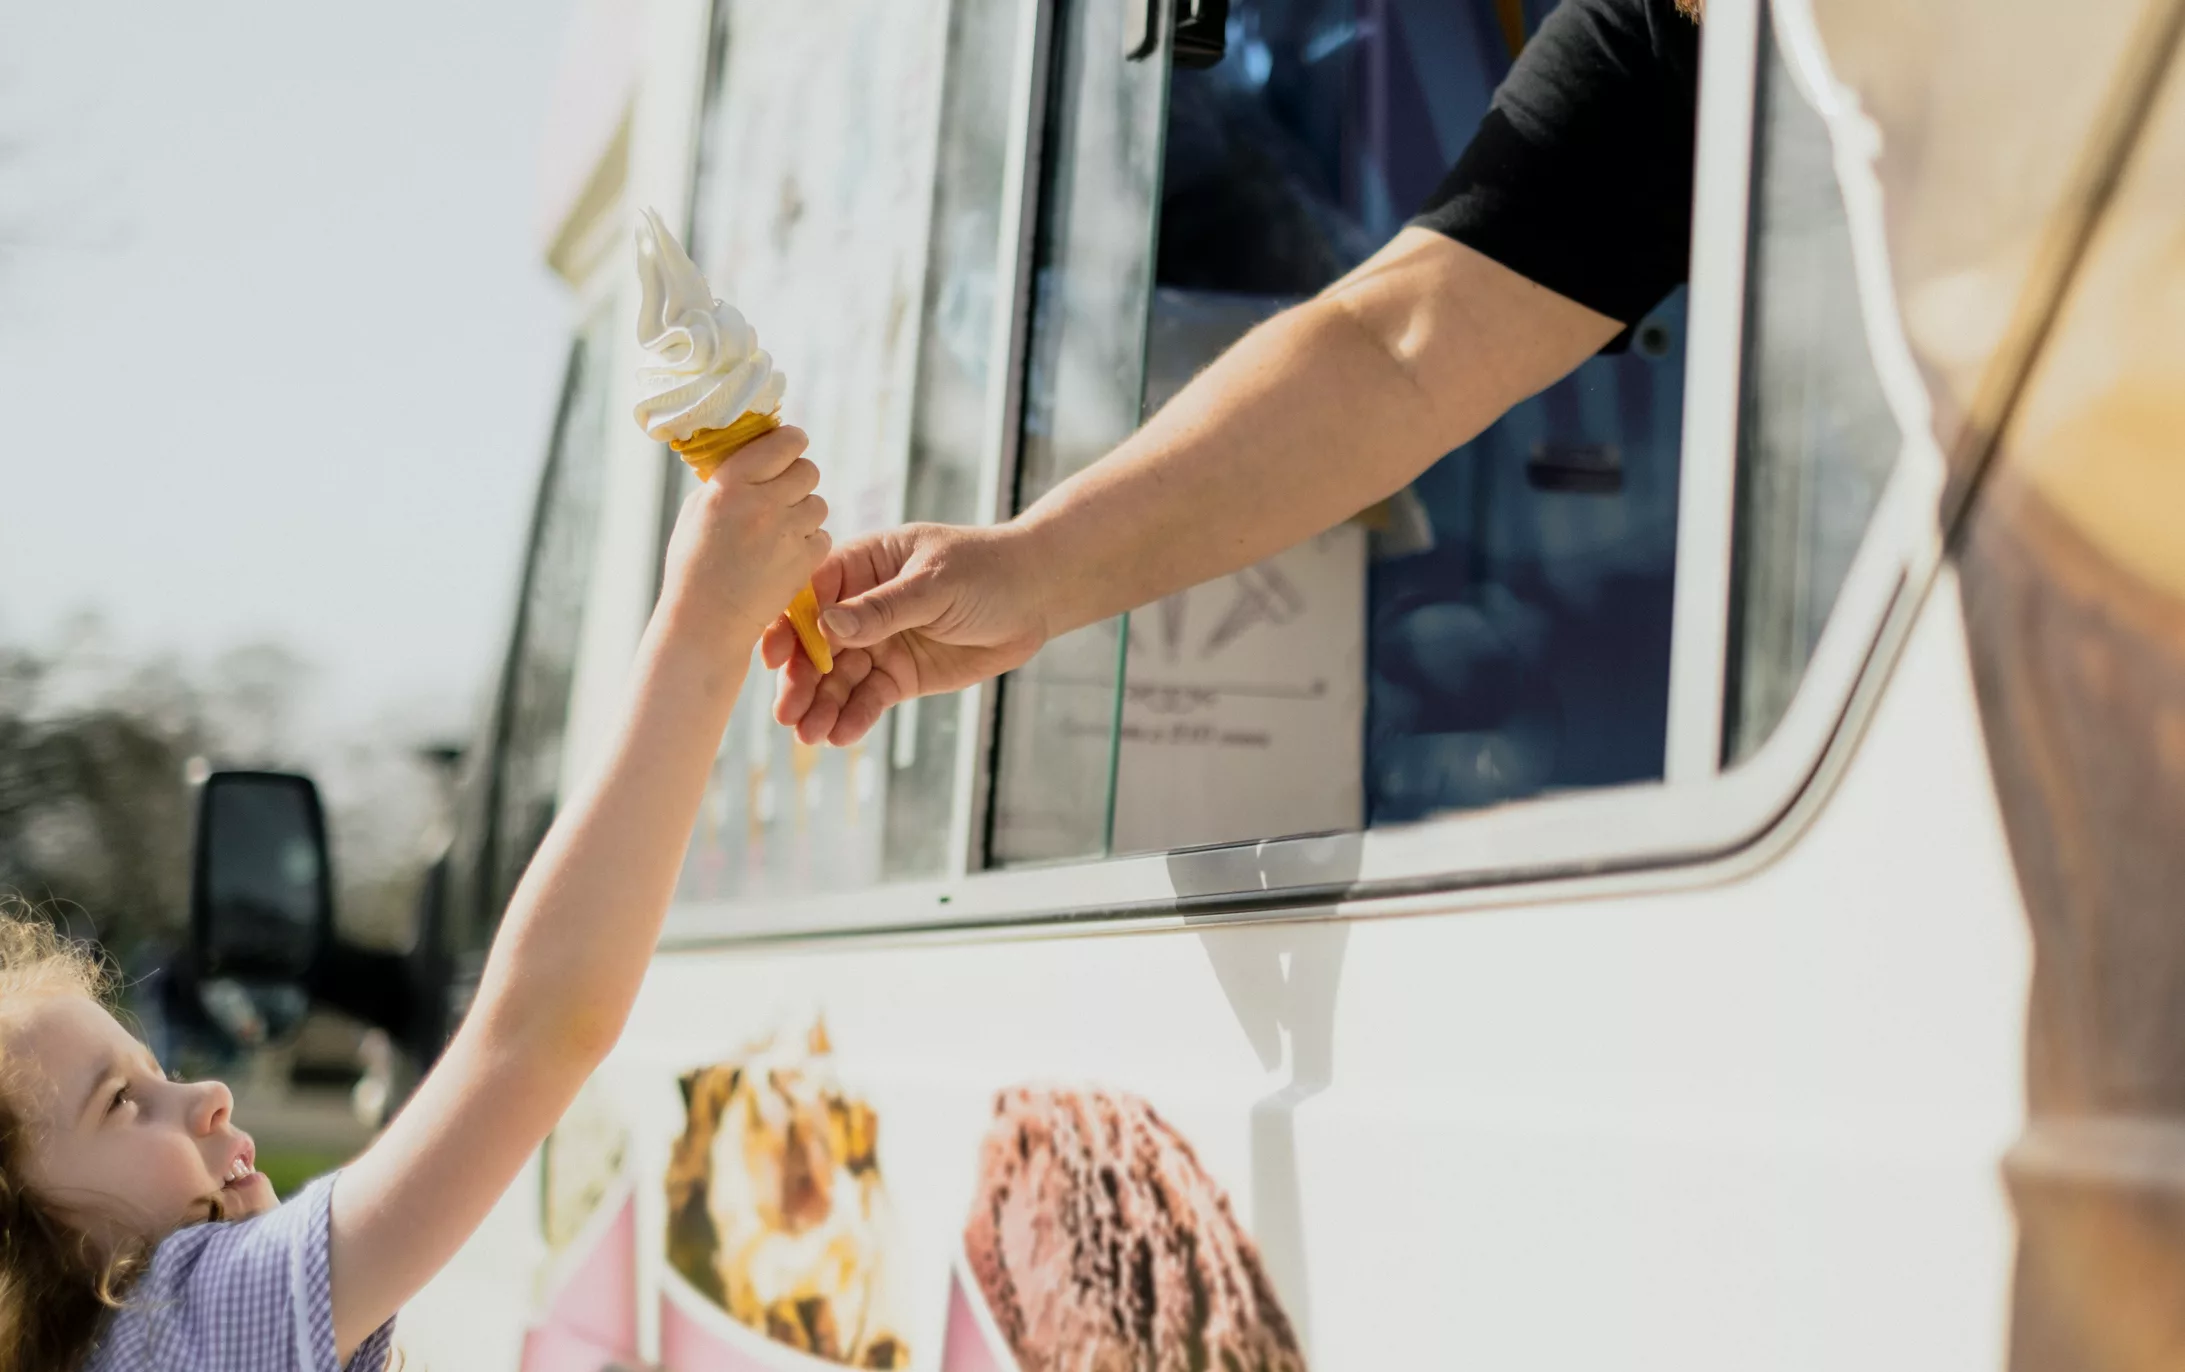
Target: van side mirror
<point x="262" y="941"/>
<point x="262" y="891"/>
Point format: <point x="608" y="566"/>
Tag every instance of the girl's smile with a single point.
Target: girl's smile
<point x="127" y="1151"/>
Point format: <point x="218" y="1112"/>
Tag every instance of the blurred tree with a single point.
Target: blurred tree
<point x="386" y="813"/>
<point x="94" y="805"/>
<point x="249" y="698"/>
<point x="95" y="809"/>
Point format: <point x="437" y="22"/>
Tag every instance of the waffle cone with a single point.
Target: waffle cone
<point x="705" y="451"/>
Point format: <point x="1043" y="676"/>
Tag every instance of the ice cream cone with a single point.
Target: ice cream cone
<point x="705" y="451"/>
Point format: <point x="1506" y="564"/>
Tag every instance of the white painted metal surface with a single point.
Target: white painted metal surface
<point x="1707" y="481"/>
<point x="1749" y="1117"/>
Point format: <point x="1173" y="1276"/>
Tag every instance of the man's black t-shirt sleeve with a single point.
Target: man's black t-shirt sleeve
<point x="1580" y="177"/>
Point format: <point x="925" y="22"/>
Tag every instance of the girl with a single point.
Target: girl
<point x="137" y="1233"/>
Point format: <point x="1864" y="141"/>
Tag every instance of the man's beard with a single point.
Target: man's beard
<point x="1691" y="9"/>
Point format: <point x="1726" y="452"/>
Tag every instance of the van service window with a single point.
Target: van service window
<point x="1510" y="627"/>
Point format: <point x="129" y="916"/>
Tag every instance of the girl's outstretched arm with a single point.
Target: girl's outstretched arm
<point x="579" y="931"/>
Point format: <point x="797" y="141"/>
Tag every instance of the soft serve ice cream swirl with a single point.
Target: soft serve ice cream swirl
<point x="708" y="368"/>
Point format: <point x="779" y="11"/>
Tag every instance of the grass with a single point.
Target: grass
<point x="290" y="1170"/>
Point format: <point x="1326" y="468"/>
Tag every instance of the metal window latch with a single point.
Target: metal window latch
<point x="1201" y="30"/>
<point x="1141" y="28"/>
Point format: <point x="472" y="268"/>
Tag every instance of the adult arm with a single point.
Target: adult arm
<point x="1315" y="415"/>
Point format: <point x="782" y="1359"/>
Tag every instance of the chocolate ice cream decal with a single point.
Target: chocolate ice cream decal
<point x="776" y="1209"/>
<point x="1099" y="1242"/>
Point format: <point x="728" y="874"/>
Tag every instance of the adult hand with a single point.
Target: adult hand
<point x="914" y="611"/>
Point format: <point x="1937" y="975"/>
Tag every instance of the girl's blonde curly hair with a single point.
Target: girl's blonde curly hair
<point x="56" y="1287"/>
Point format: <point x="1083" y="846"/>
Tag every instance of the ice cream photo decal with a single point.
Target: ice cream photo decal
<point x="710" y="389"/>
<point x="1097" y="1240"/>
<point x="778" y="1219"/>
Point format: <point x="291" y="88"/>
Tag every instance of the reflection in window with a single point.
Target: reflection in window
<point x="1816" y="436"/>
<point x="1083" y="385"/>
<point x="954" y="409"/>
<point x="542" y="661"/>
<point x="809" y="207"/>
<point x="1522" y="626"/>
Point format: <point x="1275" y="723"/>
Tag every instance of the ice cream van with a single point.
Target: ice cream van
<point x="1696" y="881"/>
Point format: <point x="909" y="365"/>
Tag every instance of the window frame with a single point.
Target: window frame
<point x="492" y="841"/>
<point x="1699" y="641"/>
<point x="585" y="349"/>
<point x="1697" y="815"/>
<point x="1003" y="438"/>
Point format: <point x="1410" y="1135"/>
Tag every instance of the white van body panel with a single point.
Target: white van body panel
<point x="1751" y="1117"/>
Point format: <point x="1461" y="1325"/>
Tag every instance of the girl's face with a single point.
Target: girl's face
<point x="115" y="1146"/>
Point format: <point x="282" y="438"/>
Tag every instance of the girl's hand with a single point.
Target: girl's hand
<point x="745" y="543"/>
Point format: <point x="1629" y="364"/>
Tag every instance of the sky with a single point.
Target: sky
<point x="278" y="347"/>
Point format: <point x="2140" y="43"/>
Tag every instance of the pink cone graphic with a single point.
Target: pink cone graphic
<point x="591" y="1318"/>
<point x="972" y="1343"/>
